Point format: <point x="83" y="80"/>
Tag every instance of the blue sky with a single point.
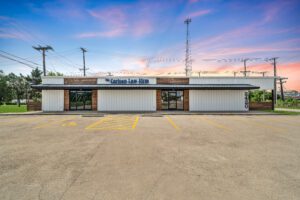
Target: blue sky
<point x="121" y="35"/>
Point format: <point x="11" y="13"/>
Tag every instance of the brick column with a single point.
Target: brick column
<point x="158" y="99"/>
<point x="94" y="100"/>
<point x="186" y="100"/>
<point x="66" y="100"/>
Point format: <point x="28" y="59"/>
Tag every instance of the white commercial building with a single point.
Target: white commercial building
<point x="120" y="94"/>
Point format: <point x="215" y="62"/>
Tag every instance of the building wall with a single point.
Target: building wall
<point x="52" y="100"/>
<point x="265" y="83"/>
<point x="126" y="100"/>
<point x="52" y="80"/>
<point x="217" y="100"/>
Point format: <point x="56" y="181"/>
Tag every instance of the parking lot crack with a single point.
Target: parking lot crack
<point x="92" y="155"/>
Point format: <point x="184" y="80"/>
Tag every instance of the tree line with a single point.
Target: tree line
<point x="13" y="86"/>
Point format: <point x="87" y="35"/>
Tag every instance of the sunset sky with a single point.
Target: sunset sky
<point x="148" y="37"/>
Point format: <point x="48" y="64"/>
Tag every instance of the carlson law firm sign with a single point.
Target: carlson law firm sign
<point x="127" y="81"/>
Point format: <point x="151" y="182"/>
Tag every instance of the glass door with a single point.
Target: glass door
<point x="80" y="100"/>
<point x="172" y="100"/>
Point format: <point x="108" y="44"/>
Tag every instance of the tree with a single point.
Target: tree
<point x="34" y="79"/>
<point x="18" y="85"/>
<point x="3" y="87"/>
<point x="259" y="96"/>
<point x="54" y="74"/>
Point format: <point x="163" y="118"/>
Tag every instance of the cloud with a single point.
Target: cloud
<point x="193" y="1"/>
<point x="107" y="34"/>
<point x="135" y="20"/>
<point x="62" y="9"/>
<point x="199" y="13"/>
<point x="12" y="33"/>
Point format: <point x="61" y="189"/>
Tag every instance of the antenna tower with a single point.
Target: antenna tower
<point x="188" y="61"/>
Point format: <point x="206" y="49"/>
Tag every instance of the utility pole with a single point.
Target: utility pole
<point x="43" y="50"/>
<point x="281" y="88"/>
<point x="245" y="66"/>
<point x="263" y="73"/>
<point x="188" y="62"/>
<point x="83" y="54"/>
<point x="275" y="79"/>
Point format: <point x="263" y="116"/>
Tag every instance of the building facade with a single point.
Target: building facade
<point x="120" y="94"/>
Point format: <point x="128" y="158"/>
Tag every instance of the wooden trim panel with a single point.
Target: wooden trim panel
<point x="178" y="81"/>
<point x="80" y="81"/>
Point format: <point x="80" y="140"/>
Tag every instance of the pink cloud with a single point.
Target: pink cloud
<point x="135" y="20"/>
<point x="8" y="33"/>
<point x="193" y="1"/>
<point x="108" y="34"/>
<point x="199" y="13"/>
<point x="142" y="27"/>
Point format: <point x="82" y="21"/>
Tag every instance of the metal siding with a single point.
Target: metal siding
<point x="52" y="80"/>
<point x="52" y="100"/>
<point x="217" y="100"/>
<point x="265" y="83"/>
<point x="126" y="100"/>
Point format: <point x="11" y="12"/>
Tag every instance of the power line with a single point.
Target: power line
<point x="20" y="58"/>
<point x="28" y="65"/>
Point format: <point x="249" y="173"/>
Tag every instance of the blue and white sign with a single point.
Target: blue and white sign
<point x="126" y="81"/>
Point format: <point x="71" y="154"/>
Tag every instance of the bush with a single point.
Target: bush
<point x="288" y="103"/>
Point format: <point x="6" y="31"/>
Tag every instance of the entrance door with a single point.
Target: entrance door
<point x="80" y="100"/>
<point x="172" y="100"/>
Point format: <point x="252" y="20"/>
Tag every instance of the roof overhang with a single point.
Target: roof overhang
<point x="148" y="86"/>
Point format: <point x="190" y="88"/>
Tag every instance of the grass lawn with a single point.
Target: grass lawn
<point x="283" y="112"/>
<point x="12" y="108"/>
<point x="292" y="107"/>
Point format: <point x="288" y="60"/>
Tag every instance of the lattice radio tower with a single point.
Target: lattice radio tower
<point x="188" y="61"/>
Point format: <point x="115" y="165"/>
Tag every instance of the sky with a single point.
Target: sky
<point x="147" y="37"/>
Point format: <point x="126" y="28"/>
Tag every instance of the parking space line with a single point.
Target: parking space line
<point x="135" y="122"/>
<point x="216" y="124"/>
<point x="172" y="123"/>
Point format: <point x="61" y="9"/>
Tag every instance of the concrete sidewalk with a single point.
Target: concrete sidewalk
<point x="158" y="113"/>
<point x="287" y="109"/>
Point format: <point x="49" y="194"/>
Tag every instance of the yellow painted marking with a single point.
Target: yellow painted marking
<point x="172" y="123"/>
<point x="69" y="124"/>
<point x="216" y="124"/>
<point x="135" y="123"/>
<point x="113" y="122"/>
<point x="92" y="126"/>
<point x="53" y="122"/>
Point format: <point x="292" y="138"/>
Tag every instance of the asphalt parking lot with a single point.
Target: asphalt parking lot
<point x="145" y="157"/>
